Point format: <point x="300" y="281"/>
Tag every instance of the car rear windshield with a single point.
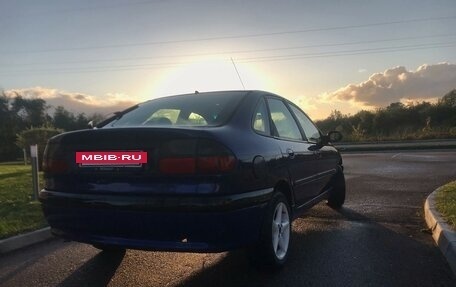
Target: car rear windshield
<point x="208" y="109"/>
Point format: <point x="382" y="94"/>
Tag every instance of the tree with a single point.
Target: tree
<point x="67" y="121"/>
<point x="81" y="122"/>
<point x="96" y="118"/>
<point x="63" y="119"/>
<point x="8" y="129"/>
<point x="449" y="99"/>
<point x="19" y="115"/>
<point x="31" y="112"/>
<point x="363" y="122"/>
<point x="38" y="136"/>
<point x="397" y="121"/>
<point x="336" y="115"/>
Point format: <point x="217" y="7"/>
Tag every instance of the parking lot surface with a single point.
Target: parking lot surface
<point x="379" y="238"/>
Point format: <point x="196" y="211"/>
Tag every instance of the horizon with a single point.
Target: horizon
<point x="95" y="110"/>
<point x="112" y="54"/>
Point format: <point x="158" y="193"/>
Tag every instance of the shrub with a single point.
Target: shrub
<point x="38" y="136"/>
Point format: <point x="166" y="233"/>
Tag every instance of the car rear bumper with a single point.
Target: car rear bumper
<point x="166" y="223"/>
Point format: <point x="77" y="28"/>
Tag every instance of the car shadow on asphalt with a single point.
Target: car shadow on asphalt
<point x="98" y="271"/>
<point x="25" y="257"/>
<point x="348" y="249"/>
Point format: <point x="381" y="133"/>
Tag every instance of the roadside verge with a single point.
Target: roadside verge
<point x="396" y="145"/>
<point x="24" y="240"/>
<point x="443" y="235"/>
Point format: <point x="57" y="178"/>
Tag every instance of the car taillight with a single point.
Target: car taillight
<point x="53" y="160"/>
<point x="55" y="166"/>
<point x="215" y="164"/>
<point x="196" y="157"/>
<point x="178" y="165"/>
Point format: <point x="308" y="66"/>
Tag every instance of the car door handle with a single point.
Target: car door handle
<point x="290" y="153"/>
<point x="317" y="153"/>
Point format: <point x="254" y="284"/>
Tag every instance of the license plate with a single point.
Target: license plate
<point x="111" y="158"/>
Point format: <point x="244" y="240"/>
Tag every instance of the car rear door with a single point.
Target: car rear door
<point x="299" y="158"/>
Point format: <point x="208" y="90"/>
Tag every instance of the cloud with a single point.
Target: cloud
<point x="428" y="82"/>
<point x="80" y="97"/>
<point x="75" y="102"/>
<point x="307" y="103"/>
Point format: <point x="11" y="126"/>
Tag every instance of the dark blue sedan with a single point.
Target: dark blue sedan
<point x="203" y="172"/>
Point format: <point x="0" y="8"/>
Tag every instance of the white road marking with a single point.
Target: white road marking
<point x="419" y="155"/>
<point x="396" y="155"/>
<point x="381" y="206"/>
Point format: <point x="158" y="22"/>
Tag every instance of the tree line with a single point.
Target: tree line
<point x="397" y="121"/>
<point x="28" y="121"/>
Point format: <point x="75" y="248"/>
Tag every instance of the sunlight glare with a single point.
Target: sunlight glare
<point x="208" y="75"/>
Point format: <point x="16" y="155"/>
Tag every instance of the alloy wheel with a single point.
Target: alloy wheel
<point x="280" y="230"/>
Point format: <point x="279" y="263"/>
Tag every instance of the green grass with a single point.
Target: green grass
<point x="18" y="212"/>
<point x="446" y="202"/>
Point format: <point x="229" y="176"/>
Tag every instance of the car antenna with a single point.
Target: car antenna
<point x="237" y="72"/>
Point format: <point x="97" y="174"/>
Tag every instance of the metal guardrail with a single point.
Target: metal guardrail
<point x="397" y="145"/>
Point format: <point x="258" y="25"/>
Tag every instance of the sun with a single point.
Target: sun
<point x="210" y="74"/>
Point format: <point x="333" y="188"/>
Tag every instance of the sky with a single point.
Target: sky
<point x="101" y="56"/>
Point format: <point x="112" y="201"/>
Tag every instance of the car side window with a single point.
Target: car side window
<point x="311" y="132"/>
<point x="261" y="119"/>
<point x="283" y="120"/>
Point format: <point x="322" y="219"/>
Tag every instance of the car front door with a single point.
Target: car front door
<point x="326" y="156"/>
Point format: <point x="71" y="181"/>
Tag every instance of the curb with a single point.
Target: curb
<point x="24" y="240"/>
<point x="443" y="235"/>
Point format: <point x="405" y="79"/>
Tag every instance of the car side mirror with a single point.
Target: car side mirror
<point x="334" y="136"/>
<point x="331" y="137"/>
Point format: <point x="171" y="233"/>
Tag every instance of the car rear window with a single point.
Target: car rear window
<point x="208" y="109"/>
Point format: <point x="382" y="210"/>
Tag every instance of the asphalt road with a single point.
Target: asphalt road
<point x="378" y="239"/>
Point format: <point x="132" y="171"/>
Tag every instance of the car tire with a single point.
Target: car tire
<point x="273" y="247"/>
<point x="336" y="197"/>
